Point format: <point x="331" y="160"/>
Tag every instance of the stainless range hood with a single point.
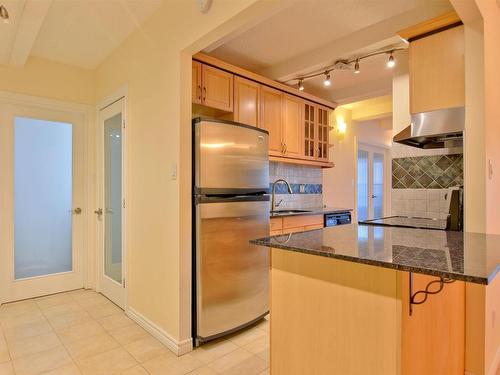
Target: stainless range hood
<point x="436" y="129"/>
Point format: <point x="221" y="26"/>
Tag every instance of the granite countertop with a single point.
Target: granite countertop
<point x="471" y="257"/>
<point x="308" y="211"/>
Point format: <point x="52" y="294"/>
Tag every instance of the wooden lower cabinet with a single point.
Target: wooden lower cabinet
<point x="293" y="224"/>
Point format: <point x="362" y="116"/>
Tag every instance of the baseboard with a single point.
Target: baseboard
<point x="177" y="347"/>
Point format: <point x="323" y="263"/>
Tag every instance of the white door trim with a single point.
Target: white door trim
<point x="384" y="150"/>
<point x="120" y="94"/>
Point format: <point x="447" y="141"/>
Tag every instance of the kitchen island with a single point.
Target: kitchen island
<point x="351" y="300"/>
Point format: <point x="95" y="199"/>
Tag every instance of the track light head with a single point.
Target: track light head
<point x="300" y="85"/>
<point x="391" y="63"/>
<point x="327" y="81"/>
<point x="356" y="67"/>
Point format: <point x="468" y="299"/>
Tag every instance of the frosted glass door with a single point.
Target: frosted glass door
<point x="362" y="185"/>
<point x="113" y="197"/>
<point x="378" y="185"/>
<point x="371" y="183"/>
<point x="43" y="197"/>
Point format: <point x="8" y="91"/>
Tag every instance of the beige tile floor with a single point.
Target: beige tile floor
<point x="82" y="332"/>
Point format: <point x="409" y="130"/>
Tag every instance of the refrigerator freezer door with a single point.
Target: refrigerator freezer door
<point x="230" y="156"/>
<point x="231" y="274"/>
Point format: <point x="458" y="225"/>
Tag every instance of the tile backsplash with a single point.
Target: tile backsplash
<point x="306" y="183"/>
<point x="429" y="203"/>
<point x="427" y="172"/>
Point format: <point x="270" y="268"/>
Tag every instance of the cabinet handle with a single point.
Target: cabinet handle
<point x="286" y="148"/>
<point x="282" y="148"/>
<point x="204" y="93"/>
<point x="199" y="92"/>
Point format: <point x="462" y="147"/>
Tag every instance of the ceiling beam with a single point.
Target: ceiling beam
<point x="31" y="21"/>
<point x="343" y="47"/>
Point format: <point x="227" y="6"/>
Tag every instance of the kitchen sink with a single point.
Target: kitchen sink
<point x="288" y="212"/>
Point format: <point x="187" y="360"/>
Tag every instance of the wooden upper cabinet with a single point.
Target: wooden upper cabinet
<point x="293" y="114"/>
<point x="246" y="101"/>
<point x="271" y="118"/>
<point x="309" y="130"/>
<point x="217" y="90"/>
<point x="322" y="134"/>
<point x="196" y="82"/>
<point x="437" y="71"/>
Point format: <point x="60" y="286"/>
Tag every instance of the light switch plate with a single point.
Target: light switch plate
<point x="173" y="171"/>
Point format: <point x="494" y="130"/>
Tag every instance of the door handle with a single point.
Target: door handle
<point x="374" y="196"/>
<point x="98" y="211"/>
<point x="77" y="211"/>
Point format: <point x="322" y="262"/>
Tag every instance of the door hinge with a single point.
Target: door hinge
<point x="124" y="282"/>
<point x="124" y="122"/>
<point x="123" y="202"/>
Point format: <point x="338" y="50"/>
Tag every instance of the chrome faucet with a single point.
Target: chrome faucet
<point x="273" y="196"/>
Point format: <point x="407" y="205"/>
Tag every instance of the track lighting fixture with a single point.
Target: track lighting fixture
<point x="327" y="81"/>
<point x="356" y="67"/>
<point x="346" y="65"/>
<point x="4" y="14"/>
<point x="391" y="62"/>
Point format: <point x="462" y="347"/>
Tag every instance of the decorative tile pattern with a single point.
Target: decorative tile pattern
<point x="428" y="172"/>
<point x="306" y="183"/>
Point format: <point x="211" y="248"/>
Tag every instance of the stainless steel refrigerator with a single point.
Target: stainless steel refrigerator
<point x="230" y="207"/>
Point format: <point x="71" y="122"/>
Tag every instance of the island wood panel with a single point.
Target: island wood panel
<point x="272" y="118"/>
<point x="292" y="126"/>
<point x="437" y="71"/>
<point x="332" y="317"/>
<point x="246" y="101"/>
<point x="433" y="338"/>
<point x="196" y="82"/>
<point x="217" y="88"/>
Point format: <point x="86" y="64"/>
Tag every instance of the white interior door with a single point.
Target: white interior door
<point x="110" y="213"/>
<point x="371" y="184"/>
<point x="42" y="201"/>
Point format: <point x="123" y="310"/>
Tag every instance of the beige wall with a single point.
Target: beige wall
<point x="474" y="150"/>
<point x="49" y="79"/>
<point x="491" y="17"/>
<point x="339" y="181"/>
<point x="155" y="63"/>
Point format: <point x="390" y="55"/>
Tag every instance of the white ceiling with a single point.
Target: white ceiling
<point x="312" y="34"/>
<point x="76" y="32"/>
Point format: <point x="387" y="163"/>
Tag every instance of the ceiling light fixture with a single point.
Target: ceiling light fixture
<point x="356" y="67"/>
<point x="4" y="14"/>
<point x="327" y="82"/>
<point x="345" y="65"/>
<point x="391" y="62"/>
